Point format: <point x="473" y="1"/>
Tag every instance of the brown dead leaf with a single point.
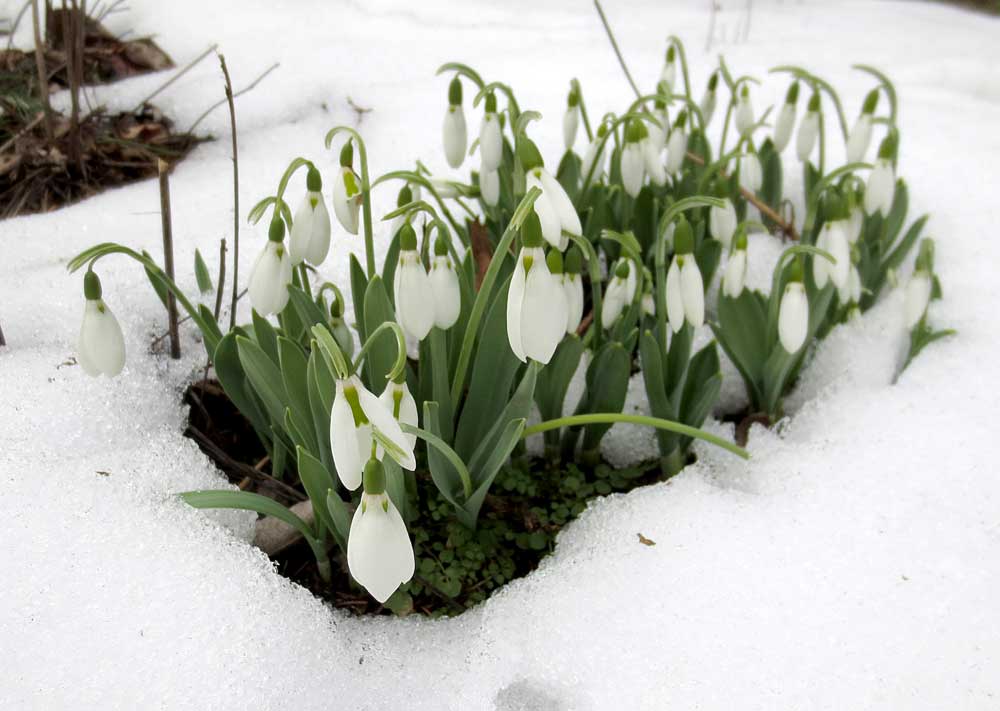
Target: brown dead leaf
<point x="645" y="541"/>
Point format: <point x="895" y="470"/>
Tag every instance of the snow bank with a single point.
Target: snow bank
<point x="853" y="563"/>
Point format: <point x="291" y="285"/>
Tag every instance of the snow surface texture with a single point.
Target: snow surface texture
<point x="853" y="563"/>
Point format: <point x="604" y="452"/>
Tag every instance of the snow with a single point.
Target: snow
<point x="853" y="563"/>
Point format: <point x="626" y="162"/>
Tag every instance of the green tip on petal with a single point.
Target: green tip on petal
<point x="683" y="236"/>
<point x="440" y="246"/>
<point x="531" y="230"/>
<point x="347" y="155"/>
<point x="834" y="206"/>
<point x="713" y="81"/>
<point x="405" y="196"/>
<point x="682" y="118"/>
<point x="336" y="308"/>
<point x="887" y="149"/>
<point x="793" y="93"/>
<point x="528" y="154"/>
<point x="574" y="261"/>
<point x="671" y="52"/>
<point x="796" y="272"/>
<point x="745" y="91"/>
<point x="455" y="92"/>
<point x="602" y="130"/>
<point x="622" y="270"/>
<point x="276" y="232"/>
<point x="814" y="101"/>
<point x="635" y="131"/>
<point x="741" y="239"/>
<point x="314" y="181"/>
<point x="91" y="286"/>
<point x="491" y="103"/>
<point x="554" y="261"/>
<point x="871" y="101"/>
<point x="574" y="98"/>
<point x="407" y="238"/>
<point x="374" y="477"/>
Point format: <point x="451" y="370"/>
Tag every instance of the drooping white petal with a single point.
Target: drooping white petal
<point x="347" y="199"/>
<point x="489" y="186"/>
<point x="793" y="317"/>
<point x="880" y="189"/>
<point x="556" y="194"/>
<point x="633" y="165"/>
<point x="349" y="454"/>
<point x="414" y="312"/>
<point x="515" y="301"/>
<point x="319" y="243"/>
<point x="820" y="266"/>
<point x="652" y="160"/>
<point x="571" y="121"/>
<point x="594" y="158"/>
<point x="855" y="221"/>
<point x="455" y="136"/>
<point x="750" y="172"/>
<point x="543" y="312"/>
<point x="675" y="298"/>
<point x="379" y="552"/>
<point x="101" y="346"/>
<point x="309" y="238"/>
<point x="692" y="292"/>
<point x="744" y="115"/>
<point x="301" y="232"/>
<point x="631" y="282"/>
<point x="838" y="246"/>
<point x="669" y="75"/>
<point x="851" y="291"/>
<point x="269" y="279"/>
<point x="859" y="139"/>
<point x="708" y="101"/>
<point x="407" y="407"/>
<point x="808" y="131"/>
<point x="722" y="223"/>
<point x="917" y="297"/>
<point x="615" y="300"/>
<point x="546" y="211"/>
<point x="447" y="294"/>
<point x="382" y="420"/>
<point x="648" y="304"/>
<point x="658" y="134"/>
<point x="783" y="126"/>
<point x="573" y="287"/>
<point x="735" y="276"/>
<point x="490" y="143"/>
<point x="676" y="149"/>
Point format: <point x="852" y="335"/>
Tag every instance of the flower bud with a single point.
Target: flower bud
<point x="101" y="346"/>
<point x="744" y="112"/>
<point x="271" y="273"/>
<point x="454" y="131"/>
<point x="808" y="130"/>
<point x="571" y="119"/>
<point x="793" y="313"/>
<point x="708" y="99"/>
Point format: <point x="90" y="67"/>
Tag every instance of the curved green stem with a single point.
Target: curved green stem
<point x="258" y="210"/>
<point x="813" y="201"/>
<point x="676" y="42"/>
<point x="887" y="86"/>
<point x="822" y="84"/>
<point x="450" y="454"/>
<point x="366" y="191"/>
<point x="400" y="364"/>
<point x="606" y="417"/>
<point x="575" y="85"/>
<point x="512" y="104"/>
<point x="463" y="69"/>
<point x="289" y="172"/>
<point x="412" y="176"/>
<point x="330" y="286"/>
<point x="331" y="351"/>
<point x="604" y="140"/>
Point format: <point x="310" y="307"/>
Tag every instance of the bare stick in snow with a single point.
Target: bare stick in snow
<point x="43" y="74"/>
<point x="168" y="256"/>
<point x="238" y="94"/>
<point x="236" y="192"/>
<point x="222" y="278"/>
<point x="188" y="67"/>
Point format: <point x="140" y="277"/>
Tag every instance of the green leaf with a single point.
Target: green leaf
<point x="201" y="274"/>
<point x="294" y="376"/>
<point x="264" y="377"/>
<point x="210" y="330"/>
<point x="308" y="310"/>
<point x="897" y="212"/>
<point x="389" y="267"/>
<point x="741" y="332"/>
<point x="518" y="407"/>
<point x="229" y="370"/>
<point x="341" y="517"/>
<point x="382" y="354"/>
<point x="444" y="470"/>
<point x="395" y="486"/>
<point x="554" y="379"/>
<point x="320" y="405"/>
<point x="317" y="481"/>
<point x="221" y="499"/>
<point x="359" y="285"/>
<point x="504" y="444"/>
<point x="607" y="386"/>
<point x="654" y="379"/>
<point x="265" y="336"/>
<point x="568" y="174"/>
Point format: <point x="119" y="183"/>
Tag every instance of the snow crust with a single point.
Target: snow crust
<point x="854" y="562"/>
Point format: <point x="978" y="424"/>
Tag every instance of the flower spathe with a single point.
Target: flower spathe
<point x="101" y="346"/>
<point x="309" y="239"/>
<point x="793" y="317"/>
<point x="270" y="277"/>
<point x="917" y="297"/>
<point x="537" y="312"/>
<point x="571" y="124"/>
<point x="709" y="99"/>
<point x="379" y="552"/>
<point x="355" y="412"/>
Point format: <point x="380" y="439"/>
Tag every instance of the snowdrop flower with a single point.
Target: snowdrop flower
<point x="855" y="221"/>
<point x="708" y="99"/>
<point x="554" y="208"/>
<point x="356" y="411"/>
<point x="593" y="158"/>
<point x="685" y="287"/>
<point x="722" y="223"/>
<point x="489" y="186"/>
<point x="490" y="136"/>
<point x="571" y="119"/>
<point x="744" y="111"/>
<point x="396" y="398"/>
<point x="652" y="159"/>
<point x="850" y="293"/>
<point x="444" y="286"/>
<point x="271" y="273"/>
<point x="648" y="303"/>
<point x="617" y="296"/>
<point x="101" y="347"/>
<point x="658" y="133"/>
<point x="411" y="287"/>
<point x="572" y="284"/>
<point x="882" y="182"/>
<point x="341" y="333"/>
<point x="444" y="188"/>
<point x="750" y="173"/>
<point x="633" y="160"/>
<point x="793" y="313"/>
<point x="379" y="552"/>
<point x="347" y="191"/>
<point x="669" y="74"/>
<point x="808" y="129"/>
<point x="735" y="275"/>
<point x="917" y="297"/>
<point x="537" y="312"/>
<point x="677" y="145"/>
<point x="786" y="118"/>
<point x="860" y="136"/>
<point x="833" y="239"/>
<point x="454" y="131"/>
<point x="310" y="236"/>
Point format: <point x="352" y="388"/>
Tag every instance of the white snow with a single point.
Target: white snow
<point x="853" y="563"/>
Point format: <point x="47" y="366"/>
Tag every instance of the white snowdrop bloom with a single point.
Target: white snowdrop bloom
<point x="653" y="161"/>
<point x="456" y="136"/>
<point x="489" y="186"/>
<point x="855" y="221"/>
<point x="744" y="111"/>
<point x="677" y="146"/>
<point x="750" y="173"/>
<point x="633" y="160"/>
<point x="310" y="236"/>
<point x="444" y="188"/>
<point x="396" y="398"/>
<point x="668" y="75"/>
<point x="595" y="155"/>
<point x="347" y="198"/>
<point x="709" y="99"/>
<point x="808" y="132"/>
<point x="917" y="297"/>
<point x="785" y="123"/>
<point x="100" y="349"/>
<point x="850" y="293"/>
<point x="793" y="317"/>
<point x="722" y="223"/>
<point x="658" y="133"/>
<point x="881" y="187"/>
<point x="537" y="312"/>
<point x="734" y="278"/>
<point x="572" y="284"/>
<point x="692" y="291"/>
<point x="571" y="120"/>
<point x="554" y="208"/>
<point x="355" y="412"/>
<point x="675" y="297"/>
<point x="616" y="296"/>
<point x="271" y="273"/>
<point x="833" y="239"/>
<point x="860" y="136"/>
<point x="648" y="304"/>
<point x="379" y="552"/>
<point x="685" y="287"/>
<point x="445" y="287"/>
<point x="411" y="287"/>
<point x="490" y="137"/>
